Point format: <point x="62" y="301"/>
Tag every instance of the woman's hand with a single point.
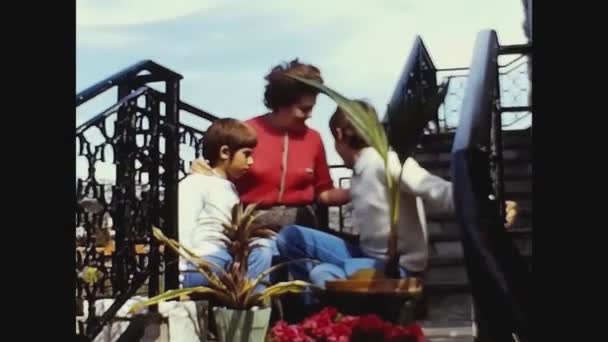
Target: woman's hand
<point x="201" y="166"/>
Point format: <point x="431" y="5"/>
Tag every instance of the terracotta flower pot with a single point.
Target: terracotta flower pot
<point x="392" y="299"/>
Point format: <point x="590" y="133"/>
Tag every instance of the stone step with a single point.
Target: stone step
<point x="510" y="171"/>
<point x="516" y="233"/>
<point x="446" y="275"/>
<point x="446" y="146"/>
<point x="434" y="287"/>
<point x="453" y="248"/>
<point x="448" y="317"/>
<point x="451" y="332"/>
<point x="524" y="211"/>
<point x="448" y="223"/>
<point x="517" y="196"/>
<point x="447" y="229"/>
<point x="518" y="185"/>
<point x="509" y="165"/>
<point x="423" y="156"/>
<point x="511" y="139"/>
<point x="450" y="253"/>
<point x="436" y="262"/>
<point x="449" y="276"/>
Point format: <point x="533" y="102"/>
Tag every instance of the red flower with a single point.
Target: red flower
<point x="349" y="321"/>
<point x="282" y="332"/>
<point x="369" y="328"/>
<point x="329" y="326"/>
<point x="338" y="332"/>
<point x="372" y="323"/>
<point x="412" y="332"/>
<point x="317" y="322"/>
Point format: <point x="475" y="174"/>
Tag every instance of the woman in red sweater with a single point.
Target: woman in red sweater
<point x="290" y="171"/>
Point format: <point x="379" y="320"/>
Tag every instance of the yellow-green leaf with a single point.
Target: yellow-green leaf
<point x="365" y="122"/>
<point x="295" y="286"/>
<point x="91" y="275"/>
<point x="171" y="294"/>
<point x="279" y="265"/>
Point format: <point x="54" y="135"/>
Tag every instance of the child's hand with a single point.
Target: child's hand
<point x="511" y="213"/>
<point x="201" y="166"/>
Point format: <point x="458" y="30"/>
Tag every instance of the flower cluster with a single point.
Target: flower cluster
<point x="330" y="326"/>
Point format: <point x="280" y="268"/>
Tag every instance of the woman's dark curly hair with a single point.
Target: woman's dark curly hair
<point x="284" y="91"/>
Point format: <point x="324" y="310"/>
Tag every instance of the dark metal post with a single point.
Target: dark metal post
<point x="496" y="141"/>
<point x="152" y="105"/>
<point x="171" y="165"/>
<point x="323" y="216"/>
<point x="124" y="191"/>
<point x="340" y="181"/>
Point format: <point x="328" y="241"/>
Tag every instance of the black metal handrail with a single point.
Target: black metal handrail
<point x="481" y="84"/>
<point x="412" y="104"/>
<point x="188" y="107"/>
<point x="498" y="274"/>
<point x="515" y="60"/>
<point x="128" y="74"/>
<point x="111" y="110"/>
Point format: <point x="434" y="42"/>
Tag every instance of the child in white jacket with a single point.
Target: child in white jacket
<point x="370" y="198"/>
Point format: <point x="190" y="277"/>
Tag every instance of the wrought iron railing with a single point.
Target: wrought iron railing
<point x="141" y="135"/>
<point x="340" y="217"/>
<point x="499" y="276"/>
<point x="515" y="90"/>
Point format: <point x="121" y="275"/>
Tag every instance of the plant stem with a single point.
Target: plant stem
<point x="391" y="270"/>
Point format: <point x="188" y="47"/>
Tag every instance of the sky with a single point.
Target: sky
<point x="224" y="48"/>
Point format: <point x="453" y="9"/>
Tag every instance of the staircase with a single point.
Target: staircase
<point x="448" y="299"/>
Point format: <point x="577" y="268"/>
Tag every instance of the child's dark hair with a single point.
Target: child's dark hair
<point x="227" y="131"/>
<point x="350" y="135"/>
<point x="284" y="91"/>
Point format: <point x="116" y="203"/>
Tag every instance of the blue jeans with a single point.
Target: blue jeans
<point x="339" y="259"/>
<point x="260" y="260"/>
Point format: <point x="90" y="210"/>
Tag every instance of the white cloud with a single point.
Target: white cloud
<point x="101" y="23"/>
<point x="306" y="15"/>
<point x="109" y="39"/>
<point x="96" y="13"/>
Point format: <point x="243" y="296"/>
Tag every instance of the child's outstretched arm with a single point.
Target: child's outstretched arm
<point x="435" y="191"/>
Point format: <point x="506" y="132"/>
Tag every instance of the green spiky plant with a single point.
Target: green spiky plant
<point x="366" y="122"/>
<point x="231" y="287"/>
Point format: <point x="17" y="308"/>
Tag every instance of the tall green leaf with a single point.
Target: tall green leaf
<point x="365" y="122"/>
<point x="371" y="130"/>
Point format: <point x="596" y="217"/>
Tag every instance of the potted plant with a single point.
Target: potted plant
<point x="384" y="287"/>
<point x="243" y="314"/>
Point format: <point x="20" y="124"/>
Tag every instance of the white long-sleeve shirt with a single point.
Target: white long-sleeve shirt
<point x="204" y="203"/>
<point x="371" y="206"/>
